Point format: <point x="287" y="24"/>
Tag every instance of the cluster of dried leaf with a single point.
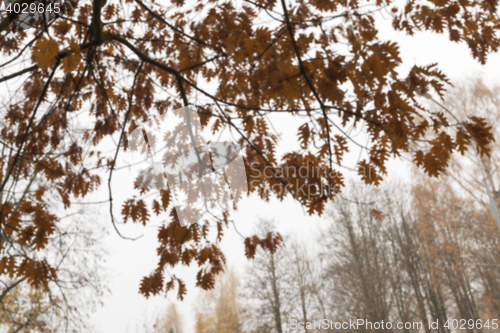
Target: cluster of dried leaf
<point x="103" y="67"/>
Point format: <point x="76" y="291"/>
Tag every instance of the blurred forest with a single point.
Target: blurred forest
<point x="406" y="251"/>
<point x="432" y="255"/>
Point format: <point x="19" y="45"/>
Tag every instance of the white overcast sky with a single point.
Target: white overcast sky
<point x="128" y="262"/>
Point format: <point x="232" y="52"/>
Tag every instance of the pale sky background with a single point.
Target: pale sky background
<point x="128" y="261"/>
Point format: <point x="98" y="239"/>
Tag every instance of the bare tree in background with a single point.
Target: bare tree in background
<point x="302" y="280"/>
<point x="474" y="96"/>
<point x="268" y="292"/>
<point x="358" y="266"/>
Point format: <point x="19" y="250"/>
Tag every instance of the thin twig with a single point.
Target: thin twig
<point x="116" y="154"/>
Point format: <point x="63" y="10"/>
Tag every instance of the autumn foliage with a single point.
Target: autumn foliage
<point x="101" y="68"/>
